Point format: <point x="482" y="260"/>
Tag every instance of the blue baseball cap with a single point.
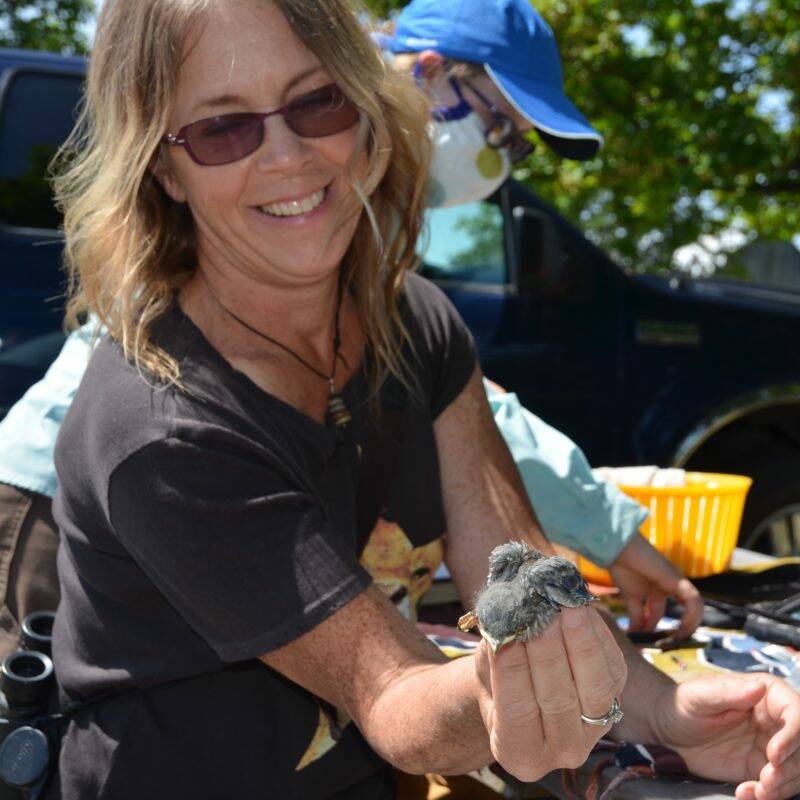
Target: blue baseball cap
<point x="517" y="49"/>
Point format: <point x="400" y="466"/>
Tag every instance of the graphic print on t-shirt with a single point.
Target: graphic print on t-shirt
<point x="404" y="573"/>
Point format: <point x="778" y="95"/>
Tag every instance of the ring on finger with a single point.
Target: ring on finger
<point x="611" y="717"/>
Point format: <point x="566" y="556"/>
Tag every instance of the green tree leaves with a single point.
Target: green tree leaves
<point x="54" y="25"/>
<point x="700" y="106"/>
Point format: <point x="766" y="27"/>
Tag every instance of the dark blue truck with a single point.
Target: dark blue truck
<point x="637" y="369"/>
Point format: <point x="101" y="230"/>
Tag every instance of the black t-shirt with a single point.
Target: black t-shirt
<point x="203" y="527"/>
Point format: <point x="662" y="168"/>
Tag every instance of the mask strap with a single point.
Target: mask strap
<point x="461" y="110"/>
<point x="456" y="87"/>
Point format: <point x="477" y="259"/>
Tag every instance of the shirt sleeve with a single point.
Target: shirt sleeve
<point x="573" y="507"/>
<point x="249" y="560"/>
<point x="442" y="341"/>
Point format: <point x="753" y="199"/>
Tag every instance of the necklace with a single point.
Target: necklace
<point x="337" y="410"/>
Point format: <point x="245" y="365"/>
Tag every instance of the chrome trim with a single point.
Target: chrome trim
<point x="668" y="333"/>
<point x="736" y="409"/>
<point x="475" y="286"/>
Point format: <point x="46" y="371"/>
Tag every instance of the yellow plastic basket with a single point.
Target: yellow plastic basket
<point x="695" y="526"/>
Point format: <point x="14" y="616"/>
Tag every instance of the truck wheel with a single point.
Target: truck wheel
<point x="771" y="520"/>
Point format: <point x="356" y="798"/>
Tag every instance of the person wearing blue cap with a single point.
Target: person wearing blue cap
<point x="496" y="81"/>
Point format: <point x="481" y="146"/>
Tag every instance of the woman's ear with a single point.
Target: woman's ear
<point x="430" y="65"/>
<point x="161" y="171"/>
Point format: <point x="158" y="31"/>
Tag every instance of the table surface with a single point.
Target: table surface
<point x="663" y="788"/>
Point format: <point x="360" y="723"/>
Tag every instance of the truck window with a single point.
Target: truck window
<point x="464" y="243"/>
<point x="38" y="113"/>
<point x="770" y="263"/>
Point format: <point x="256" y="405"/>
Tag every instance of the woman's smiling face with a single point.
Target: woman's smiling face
<point x="286" y="213"/>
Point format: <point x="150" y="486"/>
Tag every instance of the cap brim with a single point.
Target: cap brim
<point x="555" y="117"/>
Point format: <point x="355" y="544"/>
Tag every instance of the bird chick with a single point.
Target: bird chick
<point x="506" y="559"/>
<point x="524" y="591"/>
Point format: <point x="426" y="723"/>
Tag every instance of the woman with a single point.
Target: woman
<point x="606" y="534"/>
<point x="279" y="412"/>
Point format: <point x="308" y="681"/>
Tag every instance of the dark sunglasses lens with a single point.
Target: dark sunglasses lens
<point x="501" y="132"/>
<point x="321" y="113"/>
<point x="220" y="140"/>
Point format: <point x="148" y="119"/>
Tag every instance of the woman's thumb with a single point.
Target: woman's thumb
<point x="724" y="694"/>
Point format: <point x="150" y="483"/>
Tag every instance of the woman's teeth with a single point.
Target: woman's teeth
<point x="295" y="207"/>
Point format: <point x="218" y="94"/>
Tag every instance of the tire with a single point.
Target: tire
<point x="771" y="519"/>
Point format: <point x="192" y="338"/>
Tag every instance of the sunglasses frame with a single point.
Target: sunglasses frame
<point x="180" y="139"/>
<point x="504" y="132"/>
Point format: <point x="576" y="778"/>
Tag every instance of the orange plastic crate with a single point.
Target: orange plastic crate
<point x="695" y="526"/>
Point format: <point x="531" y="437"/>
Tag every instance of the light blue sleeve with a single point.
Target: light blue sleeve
<point x="575" y="510"/>
<point x="28" y="432"/>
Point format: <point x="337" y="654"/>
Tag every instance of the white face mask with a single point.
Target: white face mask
<point x="464" y="168"/>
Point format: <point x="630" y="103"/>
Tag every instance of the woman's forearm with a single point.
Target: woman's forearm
<point x="428" y="719"/>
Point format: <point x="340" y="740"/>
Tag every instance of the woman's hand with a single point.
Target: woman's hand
<point x="735" y="728"/>
<point x="645" y="579"/>
<point x="534" y="694"/>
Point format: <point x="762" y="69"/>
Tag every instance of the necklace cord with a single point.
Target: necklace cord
<point x="337" y="341"/>
<point x="337" y="413"/>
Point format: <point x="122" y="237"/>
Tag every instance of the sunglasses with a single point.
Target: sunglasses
<point x="503" y="132"/>
<point x="213" y="141"/>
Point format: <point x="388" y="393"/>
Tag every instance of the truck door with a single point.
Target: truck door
<point x="554" y="341"/>
<point x="37" y="111"/>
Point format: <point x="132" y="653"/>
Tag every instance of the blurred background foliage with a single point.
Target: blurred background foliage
<point x="698" y="102"/>
<point x="55" y="25"/>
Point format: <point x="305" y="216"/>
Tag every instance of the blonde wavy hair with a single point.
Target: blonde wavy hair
<point x="129" y="246"/>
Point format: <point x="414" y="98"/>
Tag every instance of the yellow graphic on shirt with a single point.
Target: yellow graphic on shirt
<point x="404" y="573"/>
<point x="329" y="731"/>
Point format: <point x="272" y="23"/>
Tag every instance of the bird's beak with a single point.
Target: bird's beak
<point x="496" y="644"/>
<point x="578" y="597"/>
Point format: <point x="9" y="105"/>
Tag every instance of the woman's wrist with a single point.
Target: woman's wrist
<point x="644" y="695"/>
<point x="646" y="691"/>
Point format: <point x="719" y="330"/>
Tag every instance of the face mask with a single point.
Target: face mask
<point x="464" y="167"/>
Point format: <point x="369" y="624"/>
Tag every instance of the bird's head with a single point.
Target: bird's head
<point x="559" y="581"/>
<point x="506" y="560"/>
<point x="498" y="609"/>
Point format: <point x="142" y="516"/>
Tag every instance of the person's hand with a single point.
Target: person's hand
<point x="736" y="728"/>
<point x="533" y="694"/>
<point x="645" y="580"/>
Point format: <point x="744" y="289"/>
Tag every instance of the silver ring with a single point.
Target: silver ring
<point x="613" y="716"/>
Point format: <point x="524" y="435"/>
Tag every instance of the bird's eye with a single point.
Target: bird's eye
<point x="573" y="581"/>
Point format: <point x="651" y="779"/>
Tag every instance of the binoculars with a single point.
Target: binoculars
<point x="27" y="693"/>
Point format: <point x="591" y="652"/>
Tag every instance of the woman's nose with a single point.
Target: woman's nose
<point x="282" y="149"/>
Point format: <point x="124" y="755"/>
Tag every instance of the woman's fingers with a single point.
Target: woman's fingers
<point x="540" y="690"/>
<point x="687" y="595"/>
<point x="746" y="791"/>
<point x="516" y="735"/>
<point x="773" y="779"/>
<point x="557" y="696"/>
<point x="782" y="716"/>
<point x="637" y="612"/>
<point x="615" y="660"/>
<point x="781" y="792"/>
<point x="596" y="661"/>
<point x="655" y="606"/>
